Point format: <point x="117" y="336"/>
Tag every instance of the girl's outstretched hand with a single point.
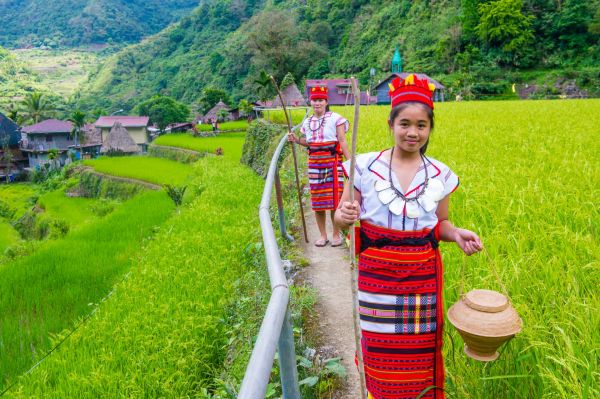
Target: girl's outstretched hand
<point x="468" y="241"/>
<point x="349" y="212"/>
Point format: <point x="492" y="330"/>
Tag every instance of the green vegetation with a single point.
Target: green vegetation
<point x="54" y="73"/>
<point x="47" y="291"/>
<point x="163" y="111"/>
<point x="185" y="317"/>
<point x="230" y="143"/>
<point x="224" y="126"/>
<point x="153" y="170"/>
<point x="8" y="236"/>
<point x="528" y="189"/>
<point x="72" y="23"/>
<point x="475" y="48"/>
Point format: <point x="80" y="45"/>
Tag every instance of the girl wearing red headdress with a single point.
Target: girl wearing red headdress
<point x="325" y="136"/>
<point x="402" y="198"/>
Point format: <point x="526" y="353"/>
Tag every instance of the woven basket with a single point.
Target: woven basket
<point x="485" y="319"/>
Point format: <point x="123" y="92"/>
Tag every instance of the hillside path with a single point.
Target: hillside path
<point x="329" y="273"/>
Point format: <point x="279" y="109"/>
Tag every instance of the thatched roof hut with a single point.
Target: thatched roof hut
<point x="91" y="135"/>
<point x="292" y="97"/>
<point x="212" y="115"/>
<point x="119" y="140"/>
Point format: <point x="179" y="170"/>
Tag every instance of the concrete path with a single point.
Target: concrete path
<point x="329" y="273"/>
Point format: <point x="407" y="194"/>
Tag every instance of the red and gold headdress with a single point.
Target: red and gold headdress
<point x="319" y="92"/>
<point x="411" y="89"/>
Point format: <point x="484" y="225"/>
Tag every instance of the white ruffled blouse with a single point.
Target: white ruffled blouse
<point x="372" y="168"/>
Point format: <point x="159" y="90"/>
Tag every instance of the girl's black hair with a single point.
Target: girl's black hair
<point x="402" y="106"/>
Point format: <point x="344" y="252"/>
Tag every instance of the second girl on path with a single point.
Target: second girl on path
<point x="325" y="137"/>
<point x="402" y="203"/>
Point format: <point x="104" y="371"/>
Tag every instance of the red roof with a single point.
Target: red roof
<point x="126" y="121"/>
<point x="49" y="126"/>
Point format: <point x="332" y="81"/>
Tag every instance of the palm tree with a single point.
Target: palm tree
<point x="36" y="105"/>
<point x="78" y="120"/>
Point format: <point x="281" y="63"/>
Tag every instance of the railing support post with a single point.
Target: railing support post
<point x="280" y="208"/>
<point x="287" y="360"/>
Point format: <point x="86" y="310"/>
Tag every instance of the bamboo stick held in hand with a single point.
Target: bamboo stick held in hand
<point x="354" y="283"/>
<point x="294" y="156"/>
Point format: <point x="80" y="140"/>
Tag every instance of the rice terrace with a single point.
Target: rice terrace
<point x="282" y="199"/>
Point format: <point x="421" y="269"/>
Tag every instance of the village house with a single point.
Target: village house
<point x="40" y="138"/>
<point x="136" y="127"/>
<point x="340" y="91"/>
<point x="12" y="160"/>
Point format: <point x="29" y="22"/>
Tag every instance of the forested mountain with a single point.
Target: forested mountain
<point x="77" y="22"/>
<point x="476" y="47"/>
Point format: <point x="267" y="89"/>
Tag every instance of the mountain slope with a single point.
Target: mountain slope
<point x="79" y="22"/>
<point x="478" y="48"/>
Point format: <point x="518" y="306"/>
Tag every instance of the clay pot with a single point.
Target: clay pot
<point x="485" y="319"/>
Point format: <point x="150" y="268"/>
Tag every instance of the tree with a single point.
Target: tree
<point x="503" y="24"/>
<point x="78" y="120"/>
<point x="210" y="97"/>
<point x="163" y="111"/>
<point x="37" y="107"/>
<point x="222" y="114"/>
<point x="52" y="155"/>
<point x="245" y="107"/>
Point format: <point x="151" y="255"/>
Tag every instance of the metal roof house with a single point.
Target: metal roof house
<point x="340" y="91"/>
<point x="10" y="136"/>
<point x="40" y="138"/>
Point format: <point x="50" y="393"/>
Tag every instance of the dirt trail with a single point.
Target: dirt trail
<point x="329" y="273"/>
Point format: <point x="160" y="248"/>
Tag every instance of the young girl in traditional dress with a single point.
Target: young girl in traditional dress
<point x="325" y="137"/>
<point x="402" y="199"/>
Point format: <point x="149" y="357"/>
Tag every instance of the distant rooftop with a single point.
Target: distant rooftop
<point x="49" y="126"/>
<point x="126" y="121"/>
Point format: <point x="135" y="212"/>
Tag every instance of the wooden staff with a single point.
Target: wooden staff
<point x="354" y="268"/>
<point x="294" y="154"/>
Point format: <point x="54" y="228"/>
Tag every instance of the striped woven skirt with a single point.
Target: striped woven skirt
<point x="325" y="175"/>
<point x="400" y="307"/>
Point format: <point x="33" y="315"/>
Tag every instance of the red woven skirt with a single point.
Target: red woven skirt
<point x="325" y="175"/>
<point x="401" y="316"/>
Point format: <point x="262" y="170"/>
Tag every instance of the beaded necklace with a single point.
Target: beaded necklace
<point x="321" y="120"/>
<point x="426" y="199"/>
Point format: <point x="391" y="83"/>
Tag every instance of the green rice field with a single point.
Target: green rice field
<point x="229" y="142"/>
<point x="149" y="169"/>
<point x="224" y="126"/>
<point x="47" y="291"/>
<point x="530" y="183"/>
<point x="164" y="332"/>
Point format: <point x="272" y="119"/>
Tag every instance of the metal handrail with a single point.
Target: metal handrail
<point x="276" y="329"/>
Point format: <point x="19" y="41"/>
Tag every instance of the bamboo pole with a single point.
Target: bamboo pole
<point x="289" y="122"/>
<point x="354" y="268"/>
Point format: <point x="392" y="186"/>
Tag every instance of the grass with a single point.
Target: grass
<point x="153" y="170"/>
<point x="165" y="331"/>
<point x="18" y="196"/>
<point x="530" y="185"/>
<point x="231" y="143"/>
<point x="46" y="292"/>
<point x="8" y="236"/>
<point x="242" y="124"/>
<point x="77" y="212"/>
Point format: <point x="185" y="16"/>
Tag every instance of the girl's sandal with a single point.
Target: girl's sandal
<point x="321" y="242"/>
<point x="337" y="243"/>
